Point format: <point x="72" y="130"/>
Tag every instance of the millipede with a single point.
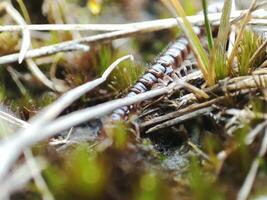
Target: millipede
<point x="171" y="59"/>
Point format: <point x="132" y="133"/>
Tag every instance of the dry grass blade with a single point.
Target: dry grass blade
<point x="38" y="131"/>
<point x="178" y="120"/>
<point x="159" y="24"/>
<point x="241" y="32"/>
<point x="181" y="112"/>
<point x="26" y="36"/>
<point x="217" y="65"/>
<point x="258" y="54"/>
<point x="19" y="177"/>
<point x="48" y="114"/>
<point x="255" y="132"/>
<point x="40" y="75"/>
<point x="188" y="30"/>
<point x="250" y="52"/>
<point x="247" y="185"/>
<point x="207" y="25"/>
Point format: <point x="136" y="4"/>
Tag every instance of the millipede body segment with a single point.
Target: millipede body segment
<point x="171" y="59"/>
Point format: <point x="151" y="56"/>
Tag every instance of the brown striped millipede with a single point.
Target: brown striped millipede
<point x="171" y="59"/>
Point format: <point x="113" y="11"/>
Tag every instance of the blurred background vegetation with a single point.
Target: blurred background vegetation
<point x="115" y="164"/>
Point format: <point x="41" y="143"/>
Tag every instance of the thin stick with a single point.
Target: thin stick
<point x="30" y="160"/>
<point x="181" y="119"/>
<point x="260" y="50"/>
<point x="26" y="35"/>
<point x="44" y="51"/>
<point x="29" y="136"/>
<point x="242" y="29"/>
<point x="41" y="77"/>
<point x="18" y="178"/>
<point x="48" y="114"/>
<point x="181" y="112"/>
<point x="38" y="131"/>
<point x="198" y="150"/>
<point x="15" y="76"/>
<point x="70" y="45"/>
<point x="35" y="171"/>
<point x="13" y="120"/>
<point x="207" y="25"/>
<point x="247" y="185"/>
<point x="153" y="24"/>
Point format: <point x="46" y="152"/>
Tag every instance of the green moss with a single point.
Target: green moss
<point x="202" y="184"/>
<point x="247" y="48"/>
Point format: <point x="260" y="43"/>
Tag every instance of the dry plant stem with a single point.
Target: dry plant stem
<point x="257" y="53"/>
<point x="126" y="32"/>
<point x="181" y="119"/>
<point x="248" y="82"/>
<point x="232" y="36"/>
<point x="40" y="129"/>
<point x="30" y="160"/>
<point x="13" y="120"/>
<point x="36" y="174"/>
<point x="39" y="74"/>
<point x="181" y="112"/>
<point x="152" y="25"/>
<point x="198" y="92"/>
<point x="26" y="36"/>
<point x="253" y="134"/>
<point x="44" y="51"/>
<point x="235" y="84"/>
<point x="240" y="34"/>
<point x="18" y="178"/>
<point x="49" y="113"/>
<point x="247" y="185"/>
<point x="198" y="150"/>
<point x="14" y="75"/>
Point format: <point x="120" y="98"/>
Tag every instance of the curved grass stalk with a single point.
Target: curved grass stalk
<point x="207" y="25"/>
<point x="175" y="7"/>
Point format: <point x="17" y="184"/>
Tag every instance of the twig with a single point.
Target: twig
<point x="18" y="178"/>
<point x="30" y="160"/>
<point x="180" y="119"/>
<point x="62" y="141"/>
<point x="11" y="149"/>
<point x="247" y="185"/>
<point x="49" y="113"/>
<point x="53" y="110"/>
<point x="44" y="51"/>
<point x="120" y="31"/>
<point x="198" y="150"/>
<point x="260" y="49"/>
<point x="26" y="35"/>
<point x="181" y="112"/>
<point x="41" y="77"/>
<point x="242" y="29"/>
<point x="35" y="171"/>
<point x="14" y="75"/>
<point x="13" y="120"/>
<point x="152" y="25"/>
<point x="232" y="36"/>
<point x="252" y="135"/>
